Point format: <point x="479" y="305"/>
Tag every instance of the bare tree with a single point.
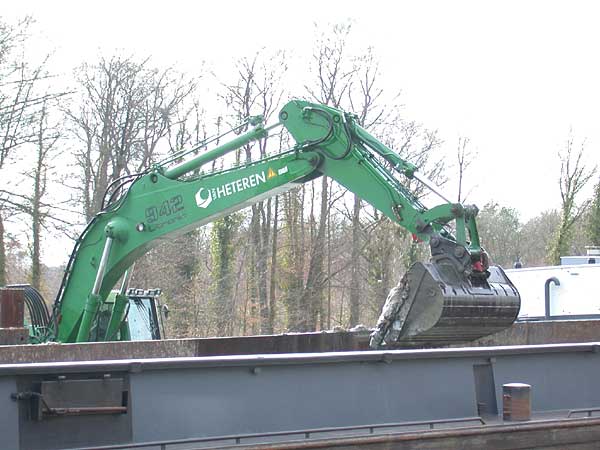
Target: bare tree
<point x="47" y="137"/>
<point x="574" y="176"/>
<point x="258" y="90"/>
<point x="464" y="158"/>
<point x="292" y="261"/>
<point x="332" y="66"/>
<point x="124" y="110"/>
<point x="223" y="243"/>
<point x="270" y="328"/>
<point x="21" y="95"/>
<point x="593" y="227"/>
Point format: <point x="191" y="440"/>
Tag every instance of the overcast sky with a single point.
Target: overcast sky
<point x="512" y="76"/>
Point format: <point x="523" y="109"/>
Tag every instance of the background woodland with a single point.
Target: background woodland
<point x="311" y="259"/>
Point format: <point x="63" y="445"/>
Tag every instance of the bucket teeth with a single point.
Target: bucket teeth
<point x="434" y="305"/>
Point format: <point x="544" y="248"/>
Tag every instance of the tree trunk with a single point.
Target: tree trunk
<point x="35" y="251"/>
<point x="101" y="183"/>
<point x="253" y="269"/>
<point x="2" y="253"/>
<point x="262" y="266"/>
<point x="272" y="282"/>
<point x="312" y="295"/>
<point x="355" y="265"/>
<point x="223" y="253"/>
<point x="36" y="216"/>
<point x="293" y="264"/>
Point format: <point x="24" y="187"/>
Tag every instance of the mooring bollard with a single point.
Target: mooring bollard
<point x="516" y="401"/>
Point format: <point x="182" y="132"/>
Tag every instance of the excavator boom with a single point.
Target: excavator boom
<point x="455" y="296"/>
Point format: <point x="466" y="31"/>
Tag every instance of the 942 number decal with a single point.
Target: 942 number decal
<point x="165" y="209"/>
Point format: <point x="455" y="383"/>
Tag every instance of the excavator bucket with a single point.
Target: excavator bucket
<point x="434" y="305"/>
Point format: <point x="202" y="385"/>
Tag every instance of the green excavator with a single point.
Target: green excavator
<point x="455" y="297"/>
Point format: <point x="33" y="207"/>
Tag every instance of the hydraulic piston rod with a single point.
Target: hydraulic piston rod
<point x="257" y="133"/>
<point x="93" y="301"/>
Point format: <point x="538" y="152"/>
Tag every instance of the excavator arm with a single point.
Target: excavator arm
<point x="454" y="298"/>
<point x="166" y="201"/>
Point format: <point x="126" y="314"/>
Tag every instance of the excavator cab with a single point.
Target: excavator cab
<point x="142" y="320"/>
<point x="446" y="301"/>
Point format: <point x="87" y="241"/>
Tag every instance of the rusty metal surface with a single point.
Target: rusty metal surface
<point x="516" y="401"/>
<point x="306" y="434"/>
<point x="172" y="348"/>
<point x="14" y="336"/>
<point x="11" y="308"/>
<point x="12" y="331"/>
<point x="563" y="434"/>
<point x="545" y="332"/>
<point x="522" y="333"/>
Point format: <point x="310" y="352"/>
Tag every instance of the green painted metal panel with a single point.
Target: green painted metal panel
<point x="156" y="208"/>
